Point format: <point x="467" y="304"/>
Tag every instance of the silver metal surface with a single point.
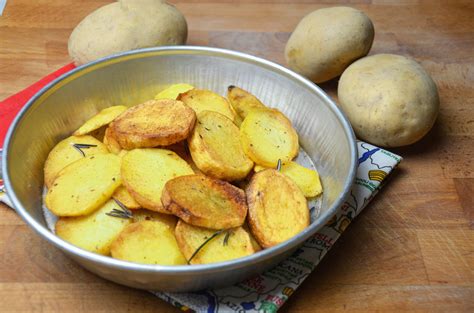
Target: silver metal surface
<point x="133" y="77"/>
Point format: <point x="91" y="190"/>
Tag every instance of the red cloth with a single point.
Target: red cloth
<point x="10" y="107"/>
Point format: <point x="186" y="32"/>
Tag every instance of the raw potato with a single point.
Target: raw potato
<point x="328" y="40"/>
<point x="189" y="237"/>
<point x="148" y="242"/>
<point x="147" y="215"/>
<point x="306" y="179"/>
<point x="64" y="154"/>
<point x="94" y="232"/>
<point x="110" y="142"/>
<point x="103" y="118"/>
<point x="267" y="136"/>
<point x="390" y="100"/>
<point x="205" y="202"/>
<point x="215" y="147"/>
<point x="122" y="195"/>
<point x="153" y="123"/>
<point x="173" y="91"/>
<point x="146" y="171"/>
<point x="277" y="208"/>
<point x="126" y="25"/>
<point x="206" y="100"/>
<point x="242" y="101"/>
<point x="84" y="186"/>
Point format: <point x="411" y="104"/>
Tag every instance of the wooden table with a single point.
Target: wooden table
<point x="412" y="247"/>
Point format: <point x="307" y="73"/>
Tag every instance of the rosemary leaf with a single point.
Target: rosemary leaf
<point x="80" y="146"/>
<point x="226" y="238"/>
<point x="123" y="213"/>
<point x="278" y="168"/>
<point x="217" y="233"/>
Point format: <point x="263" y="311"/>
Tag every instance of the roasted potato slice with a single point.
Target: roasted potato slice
<point x="149" y="242"/>
<point x="110" y="142"/>
<point x="306" y="179"/>
<point x="68" y="151"/>
<point x="103" y="118"/>
<point x="206" y="202"/>
<point x="94" y="232"/>
<point x="122" y="195"/>
<point x="146" y="171"/>
<point x="85" y="185"/>
<point x="173" y="91"/>
<point x="153" y="123"/>
<point x="277" y="208"/>
<point x="147" y="215"/>
<point x="222" y="245"/>
<point x="242" y="101"/>
<point x="215" y="147"/>
<point x="267" y="136"/>
<point x="205" y="100"/>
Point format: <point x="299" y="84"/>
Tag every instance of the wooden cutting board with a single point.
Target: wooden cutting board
<point x="412" y="247"/>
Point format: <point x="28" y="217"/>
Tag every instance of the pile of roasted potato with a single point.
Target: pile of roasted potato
<point x="163" y="182"/>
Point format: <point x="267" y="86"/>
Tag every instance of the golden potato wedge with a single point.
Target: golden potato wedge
<point x="242" y="101"/>
<point x="222" y="246"/>
<point x="153" y="123"/>
<point x="94" y="232"/>
<point x="148" y="242"/>
<point x="215" y="147"/>
<point x="110" y="142"/>
<point x="103" y="118"/>
<point x="205" y="100"/>
<point x="122" y="195"/>
<point x="203" y="201"/>
<point x="146" y="171"/>
<point x="267" y="136"/>
<point x="68" y="151"/>
<point x="306" y="179"/>
<point x="85" y="185"/>
<point x="173" y="91"/>
<point x="147" y="215"/>
<point x="277" y="208"/>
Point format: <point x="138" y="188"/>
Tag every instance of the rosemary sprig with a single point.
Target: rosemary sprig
<point x="123" y="213"/>
<point x="226" y="238"/>
<point x="80" y="146"/>
<point x="217" y="233"/>
<point x="278" y="168"/>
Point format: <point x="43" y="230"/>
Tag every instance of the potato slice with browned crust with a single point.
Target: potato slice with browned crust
<point x="147" y="215"/>
<point x="148" y="242"/>
<point x="122" y="195"/>
<point x="153" y="123"/>
<point x="94" y="232"/>
<point x="277" y="208"/>
<point x="85" y="185"/>
<point x="215" y="147"/>
<point x="243" y="101"/>
<point x="110" y="142"/>
<point x="173" y="91"/>
<point x="221" y="245"/>
<point x="267" y="136"/>
<point x="206" y="202"/>
<point x="205" y="100"/>
<point x="68" y="151"/>
<point x="146" y="171"/>
<point x="103" y="118"/>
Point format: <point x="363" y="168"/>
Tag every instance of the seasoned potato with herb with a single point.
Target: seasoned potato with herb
<point x="206" y="100"/>
<point x="103" y="118"/>
<point x="68" y="151"/>
<point x="153" y="123"/>
<point x="306" y="179"/>
<point x="205" y="202"/>
<point x="148" y="242"/>
<point x="84" y="186"/>
<point x="221" y="246"/>
<point x="122" y="195"/>
<point x="147" y="215"/>
<point x="277" y="208"/>
<point x="110" y="142"/>
<point x="267" y="136"/>
<point x="146" y="171"/>
<point x="215" y="147"/>
<point x="242" y="101"/>
<point x="94" y="232"/>
<point x="173" y="91"/>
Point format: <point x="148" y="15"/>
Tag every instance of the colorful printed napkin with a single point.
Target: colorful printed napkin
<point x="268" y="291"/>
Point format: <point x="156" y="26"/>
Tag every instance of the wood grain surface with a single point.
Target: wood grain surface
<point x="412" y="247"/>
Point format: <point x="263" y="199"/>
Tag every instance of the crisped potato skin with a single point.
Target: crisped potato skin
<point x="122" y="195"/>
<point x="277" y="208"/>
<point x="146" y="171"/>
<point x="64" y="154"/>
<point x="189" y="238"/>
<point x="103" y="118"/>
<point x="173" y="91"/>
<point x="243" y="101"/>
<point x="148" y="242"/>
<point x="268" y="136"/>
<point x="153" y="123"/>
<point x="216" y="149"/>
<point x="205" y="100"/>
<point x="94" y="232"/>
<point x="110" y="142"/>
<point x="205" y="202"/>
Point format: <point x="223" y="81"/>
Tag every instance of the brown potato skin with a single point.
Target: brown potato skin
<point x="243" y="101"/>
<point x="153" y="123"/>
